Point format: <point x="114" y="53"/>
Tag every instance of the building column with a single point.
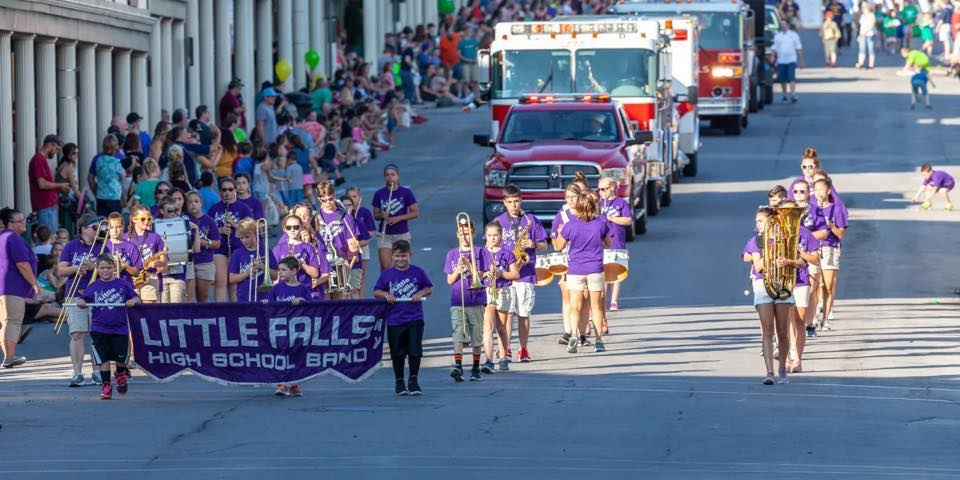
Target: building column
<point x="87" y="119"/>
<point x="156" y="77"/>
<point x="264" y="44"/>
<point x="430" y="12"/>
<point x="301" y="41"/>
<point x="67" y="91"/>
<point x="104" y="91"/>
<point x="179" y="66"/>
<point x="208" y="90"/>
<point x="192" y="57"/>
<point x="121" y="83"/>
<point x="7" y="190"/>
<point x="318" y="34"/>
<point x="166" y="64"/>
<point x="371" y="29"/>
<point x="46" y="76"/>
<point x="243" y="33"/>
<point x="224" y="71"/>
<point x="25" y="137"/>
<point x="138" y="90"/>
<point x="285" y="34"/>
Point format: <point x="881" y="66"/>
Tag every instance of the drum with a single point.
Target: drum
<point x="616" y="265"/>
<point x="176" y="234"/>
<point x="558" y="262"/>
<point x="544" y="277"/>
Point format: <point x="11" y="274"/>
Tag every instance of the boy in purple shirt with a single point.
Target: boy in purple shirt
<point x="934" y="181"/>
<point x="288" y="289"/>
<point x="404" y="320"/>
<point x="108" y="329"/>
<point x="466" y="303"/>
<point x="246" y="265"/>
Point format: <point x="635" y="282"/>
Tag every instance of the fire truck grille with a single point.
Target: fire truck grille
<point x="547" y="176"/>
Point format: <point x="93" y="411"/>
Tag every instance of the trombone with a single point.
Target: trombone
<point x="70" y="297"/>
<point x="463" y="221"/>
<point x="267" y="283"/>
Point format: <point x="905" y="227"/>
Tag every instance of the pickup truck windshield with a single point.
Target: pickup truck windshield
<point x="552" y="125"/>
<point x="621" y="72"/>
<point x="519" y="72"/>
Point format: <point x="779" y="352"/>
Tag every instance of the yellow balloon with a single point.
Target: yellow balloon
<point x="283" y="69"/>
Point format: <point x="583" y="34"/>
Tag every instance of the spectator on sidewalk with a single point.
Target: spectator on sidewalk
<point x="18" y="282"/>
<point x="43" y="190"/>
<point x="789" y="54"/>
<point x="109" y="175"/>
<point x="267" y="118"/>
<point x="133" y="126"/>
<point x="201" y="124"/>
<point x="69" y="200"/>
<point x="232" y="103"/>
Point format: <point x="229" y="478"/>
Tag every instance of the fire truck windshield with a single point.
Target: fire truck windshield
<point x="621" y="72"/>
<point x="719" y="30"/>
<point x="519" y="72"/>
<point x="553" y="124"/>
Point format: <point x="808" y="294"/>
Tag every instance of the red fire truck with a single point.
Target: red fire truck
<point x="629" y="59"/>
<point x="728" y="65"/>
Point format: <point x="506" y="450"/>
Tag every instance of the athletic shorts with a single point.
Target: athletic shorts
<point x="786" y="72"/>
<point x="592" y="282"/>
<point x="760" y="296"/>
<point x="522" y="298"/>
<point x="78" y="319"/>
<point x="12" y="309"/>
<point x="829" y="258"/>
<point x="109" y="347"/>
<point x="190" y="270"/>
<point x="502" y="300"/>
<point x="205" y="271"/>
<point x="406" y="339"/>
<point x="801" y="295"/>
<point x="386" y="241"/>
<point x="355" y="279"/>
<point x="150" y="292"/>
<point x="474" y="332"/>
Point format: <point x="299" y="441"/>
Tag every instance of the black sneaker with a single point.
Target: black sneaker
<point x="400" y="389"/>
<point x="564" y="339"/>
<point x="414" y="387"/>
<point x="811" y="331"/>
<point x="487" y="367"/>
<point x="584" y="341"/>
<point x="457" y="374"/>
<point x="475" y="375"/>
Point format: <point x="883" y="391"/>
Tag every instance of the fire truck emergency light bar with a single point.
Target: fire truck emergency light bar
<point x="582" y="98"/>
<point x="554" y="28"/>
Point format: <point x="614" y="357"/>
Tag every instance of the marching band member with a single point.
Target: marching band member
<point x="809" y="251"/>
<point x="774" y="314"/>
<point x="175" y="284"/>
<point x="587" y="234"/>
<point x="77" y="262"/>
<point x="617" y="212"/>
<point x="505" y="269"/>
<point x="801" y="194"/>
<point x="227" y="213"/>
<point x="466" y="303"/>
<point x="405" y="320"/>
<point x="934" y="181"/>
<point x="313" y="269"/>
<point x="152" y="253"/>
<point x="831" y="226"/>
<point x="516" y="224"/>
<point x="245" y="195"/>
<point x="290" y="289"/>
<point x="776" y="196"/>
<point x="809" y="164"/>
<point x="364" y="217"/>
<point x="162" y="189"/>
<point x="109" y="331"/>
<point x="340" y="225"/>
<point x="394" y="206"/>
<point x="126" y="255"/>
<point x="203" y="267"/>
<point x="363" y="237"/>
<point x="246" y="264"/>
<point x="180" y="199"/>
<point x="570" y="196"/>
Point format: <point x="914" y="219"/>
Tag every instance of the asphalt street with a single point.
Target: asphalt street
<point x="678" y="393"/>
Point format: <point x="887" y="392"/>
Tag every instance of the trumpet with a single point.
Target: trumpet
<point x="267" y="282"/>
<point x="71" y="296"/>
<point x="463" y="221"/>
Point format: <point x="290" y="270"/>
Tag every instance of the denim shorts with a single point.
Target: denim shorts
<point x="919" y="88"/>
<point x="786" y="72"/>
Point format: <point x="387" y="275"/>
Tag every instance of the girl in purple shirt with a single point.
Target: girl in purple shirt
<point x="203" y="267"/>
<point x="934" y="181"/>
<point x="126" y="255"/>
<point x="151" y="246"/>
<point x="497" y="311"/>
<point x="245" y="197"/>
<point x="617" y="211"/>
<point x="227" y="214"/>
<point x="394" y="206"/>
<point x="830" y="228"/>
<point x="365" y="219"/>
<point x="313" y="269"/>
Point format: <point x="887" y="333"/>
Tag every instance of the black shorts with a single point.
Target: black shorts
<point x="406" y="339"/>
<point x="108" y="347"/>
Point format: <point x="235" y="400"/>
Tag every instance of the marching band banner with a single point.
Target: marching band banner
<point x="250" y="343"/>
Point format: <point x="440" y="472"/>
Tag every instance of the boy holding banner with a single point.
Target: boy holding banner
<point x="108" y="329"/>
<point x="288" y="289"/>
<point x="405" y="320"/>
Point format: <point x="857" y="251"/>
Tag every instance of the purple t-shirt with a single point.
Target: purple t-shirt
<point x="15" y="250"/>
<point x="399" y="204"/>
<point x="751" y="247"/>
<point x="561" y="218"/>
<point x="807" y="244"/>
<point x="334" y="223"/>
<point x="586" y="244"/>
<point x="940" y="179"/>
<point x="109" y="320"/>
<point x="837" y="213"/>
<point x="240" y="262"/>
<point x="365" y="218"/>
<point x="616" y="207"/>
<point x="208" y="232"/>
<point x="502" y="258"/>
<point x="471" y="296"/>
<point x="511" y="228"/>
<point x="238" y="211"/>
<point x="403" y="284"/>
<point x="282" y="292"/>
<point x="148" y="244"/>
<point x="129" y="254"/>
<point x="812" y="199"/>
<point x="75" y="253"/>
<point x="256" y="208"/>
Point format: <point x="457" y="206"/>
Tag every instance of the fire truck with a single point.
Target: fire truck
<point x="729" y="68"/>
<point x="545" y="140"/>
<point x="628" y="59"/>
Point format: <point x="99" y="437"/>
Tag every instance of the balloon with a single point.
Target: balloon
<point x="312" y="58"/>
<point x="395" y="69"/>
<point x="239" y="135"/>
<point x="283" y="69"/>
<point x="445" y="7"/>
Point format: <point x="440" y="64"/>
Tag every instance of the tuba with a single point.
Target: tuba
<point x="780" y="238"/>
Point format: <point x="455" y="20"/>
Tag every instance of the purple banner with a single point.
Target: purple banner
<point x="248" y="343"/>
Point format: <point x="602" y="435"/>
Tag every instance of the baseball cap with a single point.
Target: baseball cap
<point x="91" y="220"/>
<point x="235" y="83"/>
<point x="53" y="139"/>
<point x="133" y="117"/>
<point x="270" y="92"/>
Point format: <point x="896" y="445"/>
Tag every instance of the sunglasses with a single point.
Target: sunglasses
<point x="226" y="189"/>
<point x="292" y="227"/>
<point x="605" y="188"/>
<point x="16" y="221"/>
<point x="170" y="211"/>
<point x="143" y="219"/>
<point x="799" y="191"/>
<point x="808" y="167"/>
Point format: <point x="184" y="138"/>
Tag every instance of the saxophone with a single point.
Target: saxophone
<point x="493" y="290"/>
<point x="519" y="252"/>
<point x="141" y="279"/>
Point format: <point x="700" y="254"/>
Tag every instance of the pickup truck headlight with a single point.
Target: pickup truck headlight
<point x="616" y="174"/>
<point x="496" y="178"/>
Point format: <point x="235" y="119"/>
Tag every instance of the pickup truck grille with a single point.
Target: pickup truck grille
<point x="551" y="176"/>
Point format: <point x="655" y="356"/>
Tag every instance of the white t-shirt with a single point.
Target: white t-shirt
<point x="786" y="45"/>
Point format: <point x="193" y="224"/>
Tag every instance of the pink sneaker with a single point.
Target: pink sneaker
<point x="614" y="306"/>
